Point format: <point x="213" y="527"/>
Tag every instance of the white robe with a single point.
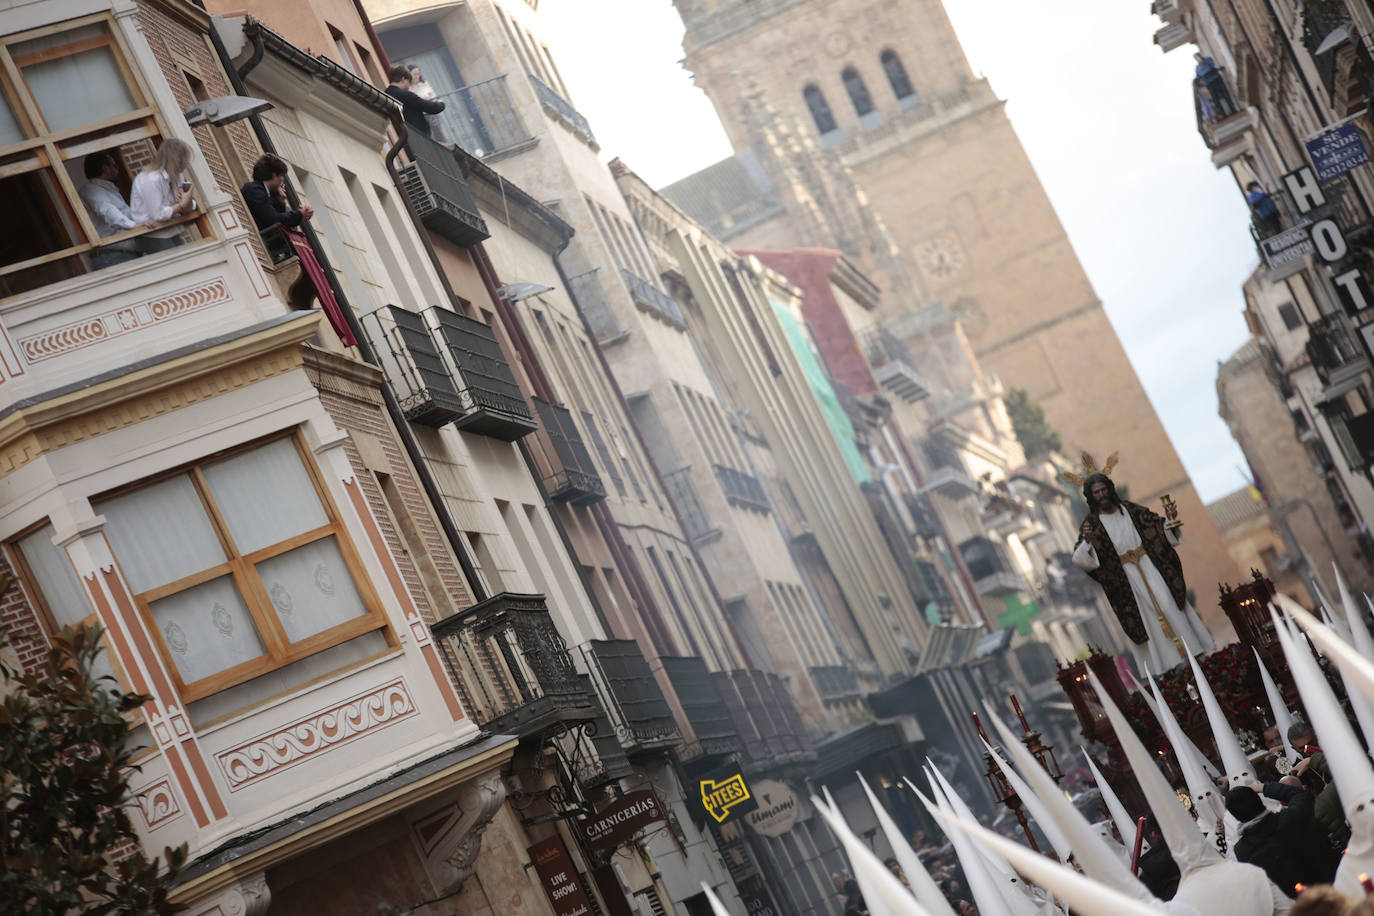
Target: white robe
<point x="1159" y="652"/>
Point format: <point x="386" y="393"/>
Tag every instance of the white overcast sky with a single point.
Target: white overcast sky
<point x="1107" y="120"/>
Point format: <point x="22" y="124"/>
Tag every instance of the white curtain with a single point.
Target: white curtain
<point x="206" y="628"/>
<point x="77" y="88"/>
<point x="9" y="126"/>
<point x="265" y="495"/>
<point x="56" y="578"/>
<point x="311" y="589"/>
<point x="161" y="533"/>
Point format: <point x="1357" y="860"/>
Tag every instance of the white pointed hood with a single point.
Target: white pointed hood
<point x="1180" y="833"/>
<point x="996" y="866"/>
<point x="1034" y="805"/>
<point x="1125" y="825"/>
<point x="1083" y="895"/>
<point x="1347" y="758"/>
<point x="985" y="887"/>
<point x="1357" y="635"/>
<point x="1208" y="803"/>
<point x="882" y="892"/>
<point x="1091" y="852"/>
<point x="1187" y="742"/>
<point x="1239" y="770"/>
<point x="923" y="886"/>
<point x="717" y="908"/>
<point x="1283" y="718"/>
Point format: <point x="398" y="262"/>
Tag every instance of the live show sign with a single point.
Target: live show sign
<point x="559" y="878"/>
<point x="1335" y="152"/>
<point x="620" y="820"/>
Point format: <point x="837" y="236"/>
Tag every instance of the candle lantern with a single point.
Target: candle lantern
<point x="1001" y="786"/>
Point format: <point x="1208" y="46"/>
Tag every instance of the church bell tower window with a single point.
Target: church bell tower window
<point x="820" y="109"/>
<point x="897" y="78"/>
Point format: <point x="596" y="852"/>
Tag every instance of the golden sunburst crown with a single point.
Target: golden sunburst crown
<point x="1088" y="468"/>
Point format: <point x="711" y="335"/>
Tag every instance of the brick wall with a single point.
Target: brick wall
<point x="28" y="641"/>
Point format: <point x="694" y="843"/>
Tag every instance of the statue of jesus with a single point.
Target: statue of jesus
<point x="1129" y="551"/>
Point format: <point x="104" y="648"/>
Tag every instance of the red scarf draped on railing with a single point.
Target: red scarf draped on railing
<point x="323" y="291"/>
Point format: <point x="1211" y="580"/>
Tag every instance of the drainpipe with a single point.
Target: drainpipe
<point x="393" y="408"/>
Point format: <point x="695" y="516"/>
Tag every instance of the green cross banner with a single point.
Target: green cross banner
<point x="1018" y="614"/>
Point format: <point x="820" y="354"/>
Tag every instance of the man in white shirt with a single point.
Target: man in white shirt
<point x="1129" y="550"/>
<point x="108" y="210"/>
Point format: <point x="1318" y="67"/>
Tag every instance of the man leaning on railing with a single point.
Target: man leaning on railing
<point x="109" y="212"/>
<point x="1212" y="81"/>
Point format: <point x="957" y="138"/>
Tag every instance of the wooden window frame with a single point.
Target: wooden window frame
<point x="278" y="650"/>
<point x="45" y="151"/>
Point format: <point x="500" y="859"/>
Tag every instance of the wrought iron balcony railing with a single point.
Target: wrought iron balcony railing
<point x="481" y="119"/>
<point x="512" y="667"/>
<point x="893" y="366"/>
<point x="591" y="302"/>
<point x="471" y="387"/>
<point x="988" y="566"/>
<point x="702" y="706"/>
<point x="765" y="717"/>
<point x="653" y="300"/>
<point x="1333" y="347"/>
<point x="684" y="495"/>
<point x="743" y="489"/>
<point x="434" y="184"/>
<point x="633" y="700"/>
<point x="835" y="682"/>
<point x="564" y="463"/>
<point x="563" y="110"/>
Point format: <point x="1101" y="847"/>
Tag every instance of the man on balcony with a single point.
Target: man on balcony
<point x="1264" y="210"/>
<point x="414" y="108"/>
<point x="109" y="212"/>
<point x="265" y="195"/>
<point x="1212" y="81"/>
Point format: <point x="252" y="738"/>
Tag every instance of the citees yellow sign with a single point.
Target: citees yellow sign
<point x="726" y="794"/>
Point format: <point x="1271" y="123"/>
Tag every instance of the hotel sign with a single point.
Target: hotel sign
<point x="620" y="820"/>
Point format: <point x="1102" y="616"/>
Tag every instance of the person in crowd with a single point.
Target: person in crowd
<point x="1321" y="900"/>
<point x="1157" y="868"/>
<point x="109" y="213"/>
<point x="265" y="195"/>
<point x="1266" y="216"/>
<point x="853" y="900"/>
<point x="1288" y="844"/>
<point x="421" y="87"/>
<point x="1214" y="83"/>
<point x="161" y="193"/>
<point x="1314" y="774"/>
<point x="413" y="107"/>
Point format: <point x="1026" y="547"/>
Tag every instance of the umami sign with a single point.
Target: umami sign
<point x="620" y="820"/>
<point x="777" y="811"/>
<point x="559" y="878"/>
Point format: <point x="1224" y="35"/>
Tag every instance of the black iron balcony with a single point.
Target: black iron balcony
<point x="702" y="707"/>
<point x="591" y="302"/>
<point x="893" y="366"/>
<point x="765" y="717"/>
<point x="992" y="575"/>
<point x="569" y="476"/>
<point x="563" y="110"/>
<point x="922" y="514"/>
<point x="689" y="511"/>
<point x="835" y="682"/>
<point x="512" y="667"/>
<point x="496" y="406"/>
<point x="743" y="489"/>
<point x="415" y="369"/>
<point x="481" y="119"/>
<point x="1333" y="348"/>
<point x="434" y="184"/>
<point x="1221" y="117"/>
<point x="653" y="300"/>
<point x="633" y="700"/>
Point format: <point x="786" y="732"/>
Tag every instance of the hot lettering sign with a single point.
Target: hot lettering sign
<point x="559" y="878"/>
<point x="1328" y="241"/>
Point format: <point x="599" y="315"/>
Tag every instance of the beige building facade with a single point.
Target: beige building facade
<point x="861" y="121"/>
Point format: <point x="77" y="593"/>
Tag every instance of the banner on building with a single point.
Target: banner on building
<point x="621" y="819"/>
<point x="778" y="808"/>
<point x="559" y="878"/>
<point x="1336" y="151"/>
<point x="723" y="794"/>
<point x="1288" y="246"/>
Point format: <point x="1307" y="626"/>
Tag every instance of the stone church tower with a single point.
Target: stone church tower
<point x="915" y="156"/>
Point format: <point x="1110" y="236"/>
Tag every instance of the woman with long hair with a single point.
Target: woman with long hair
<point x="161" y="193"/>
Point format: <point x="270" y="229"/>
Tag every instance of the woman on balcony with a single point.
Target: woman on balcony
<point x="161" y="193"/>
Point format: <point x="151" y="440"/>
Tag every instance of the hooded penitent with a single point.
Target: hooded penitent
<point x="1239" y="770"/>
<point x="1209" y="883"/>
<point x="1347" y="757"/>
<point x="1283" y="719"/>
<point x="996" y="867"/>
<point x="1207" y="766"/>
<point x="985" y="887"/>
<point x="1124" y="825"/>
<point x="1357" y="635"/>
<point x="1208" y="804"/>
<point x="1037" y="809"/>
<point x="923" y="886"/>
<point x="883" y="894"/>
<point x="717" y="908"/>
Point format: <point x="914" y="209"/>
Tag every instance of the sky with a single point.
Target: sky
<point x="1108" y="123"/>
